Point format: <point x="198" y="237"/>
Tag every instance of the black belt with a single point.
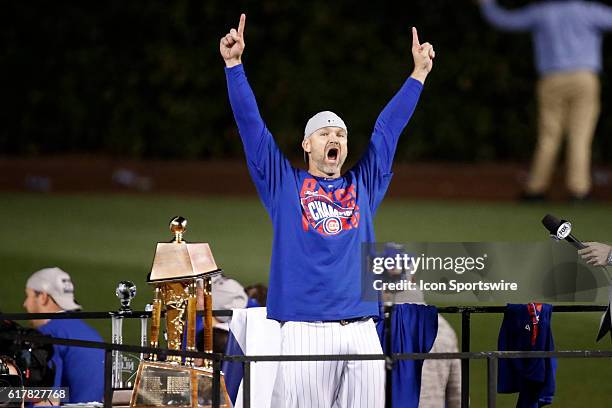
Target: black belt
<point x="344" y="322"/>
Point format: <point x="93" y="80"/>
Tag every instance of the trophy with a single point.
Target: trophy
<point x="125" y="364"/>
<point x="179" y="269"/>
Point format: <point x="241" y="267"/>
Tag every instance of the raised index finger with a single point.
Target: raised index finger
<point x="241" y="24"/>
<point x="415" y="38"/>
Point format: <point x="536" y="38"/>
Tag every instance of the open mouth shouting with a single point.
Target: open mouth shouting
<point x="332" y="154"/>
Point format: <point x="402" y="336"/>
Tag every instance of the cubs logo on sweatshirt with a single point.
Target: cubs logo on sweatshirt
<point x="329" y="213"/>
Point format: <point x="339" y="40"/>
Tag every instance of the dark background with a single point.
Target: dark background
<point x="144" y="79"/>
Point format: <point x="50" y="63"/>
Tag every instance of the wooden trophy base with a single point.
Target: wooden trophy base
<point x="173" y="385"/>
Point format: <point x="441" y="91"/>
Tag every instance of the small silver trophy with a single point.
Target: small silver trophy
<point x="126" y="291"/>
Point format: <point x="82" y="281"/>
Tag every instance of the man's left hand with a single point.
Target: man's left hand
<point x="423" y="55"/>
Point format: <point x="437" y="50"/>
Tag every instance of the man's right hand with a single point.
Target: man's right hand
<point x="596" y="253"/>
<point x="231" y="45"/>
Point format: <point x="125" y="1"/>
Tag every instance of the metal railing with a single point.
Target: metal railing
<point x="466" y="313"/>
<point x="465" y="355"/>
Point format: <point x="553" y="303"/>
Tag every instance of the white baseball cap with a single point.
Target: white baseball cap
<point x="57" y="284"/>
<point x="227" y="293"/>
<point x="321" y="120"/>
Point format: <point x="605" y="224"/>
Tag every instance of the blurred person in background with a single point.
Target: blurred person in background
<point x="51" y="290"/>
<point x="227" y="294"/>
<point x="441" y="379"/>
<point x="567" y="37"/>
<point x="258" y="295"/>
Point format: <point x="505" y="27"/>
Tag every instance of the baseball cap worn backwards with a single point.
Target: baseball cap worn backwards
<point x="321" y="120"/>
<point x="57" y="284"/>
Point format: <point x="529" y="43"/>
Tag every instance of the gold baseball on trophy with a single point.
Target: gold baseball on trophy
<point x="178" y="226"/>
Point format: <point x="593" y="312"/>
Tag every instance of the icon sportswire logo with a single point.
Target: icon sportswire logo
<point x="329" y="213"/>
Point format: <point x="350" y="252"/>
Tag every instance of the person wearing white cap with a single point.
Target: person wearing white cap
<point x="227" y="294"/>
<point x="321" y="218"/>
<point x="51" y="290"/>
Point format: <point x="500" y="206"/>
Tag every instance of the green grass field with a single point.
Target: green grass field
<point x="101" y="239"/>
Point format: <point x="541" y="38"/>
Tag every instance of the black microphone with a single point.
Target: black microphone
<point x="561" y="229"/>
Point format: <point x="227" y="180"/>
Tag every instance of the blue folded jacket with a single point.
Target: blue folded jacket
<point x="413" y="330"/>
<point x="527" y="327"/>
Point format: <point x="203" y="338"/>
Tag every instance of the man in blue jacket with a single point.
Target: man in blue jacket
<point x="567" y="37"/>
<point x="321" y="218"/>
<point x="51" y="290"/>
